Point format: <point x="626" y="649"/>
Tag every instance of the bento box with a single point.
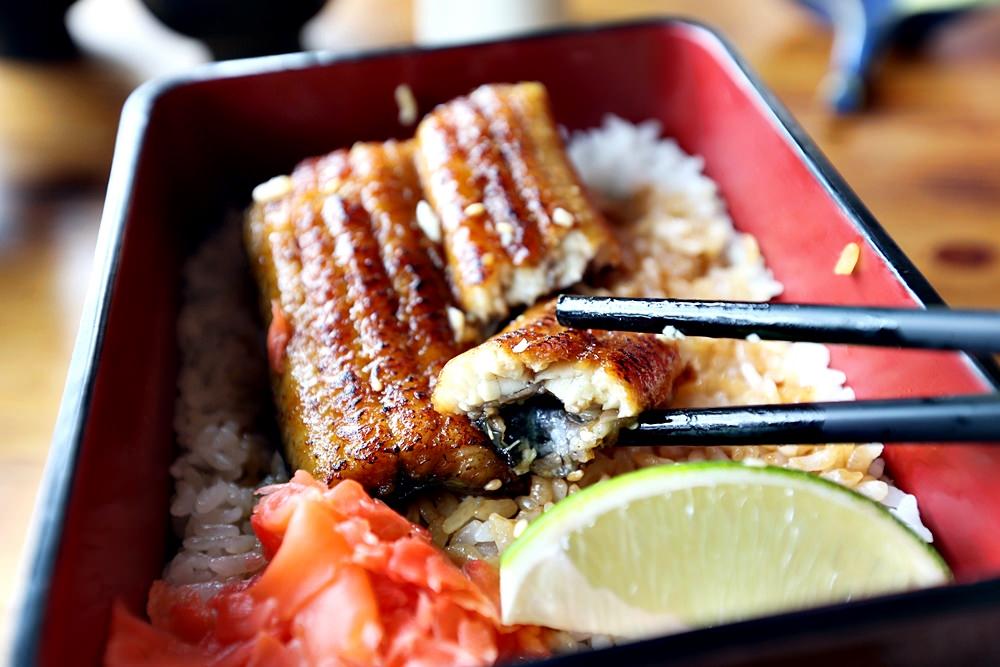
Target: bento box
<point x="191" y="149"/>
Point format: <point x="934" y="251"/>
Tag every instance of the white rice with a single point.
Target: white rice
<point x="221" y="404"/>
<point x="678" y="239"/>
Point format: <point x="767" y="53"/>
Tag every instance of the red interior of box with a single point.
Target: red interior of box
<point x="208" y="141"/>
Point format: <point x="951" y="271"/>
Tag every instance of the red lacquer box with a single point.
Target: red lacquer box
<point x="190" y="149"/>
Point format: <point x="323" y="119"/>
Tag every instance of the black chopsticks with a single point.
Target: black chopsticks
<point x="948" y="419"/>
<point x="935" y="328"/>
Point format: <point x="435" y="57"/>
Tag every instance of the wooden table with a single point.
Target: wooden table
<point x="926" y="160"/>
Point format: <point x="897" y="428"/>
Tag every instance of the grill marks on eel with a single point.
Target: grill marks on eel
<point x="367" y="305"/>
<point x="486" y="146"/>
<point x="448" y="173"/>
<point x="498" y="148"/>
<point x="646" y="365"/>
<point x="412" y="262"/>
<point x="526" y="187"/>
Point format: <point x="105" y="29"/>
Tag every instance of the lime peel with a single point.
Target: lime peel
<point x="671" y="547"/>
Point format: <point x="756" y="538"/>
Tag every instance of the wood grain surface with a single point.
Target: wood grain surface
<point x="925" y="159"/>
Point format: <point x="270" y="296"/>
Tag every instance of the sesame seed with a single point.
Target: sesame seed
<point x="562" y="217"/>
<point x="574" y="476"/>
<point x="488" y="259"/>
<point x="373" y="380"/>
<point x="456" y="318"/>
<point x="519" y="527"/>
<point x="520" y="347"/>
<point x="848" y="259"/>
<point x="428" y="221"/>
<point x="474" y="209"/>
<point x="506" y="232"/>
<point x="271" y="190"/>
<point x="407" y="104"/>
<point x="493" y="485"/>
<point x="670" y="333"/>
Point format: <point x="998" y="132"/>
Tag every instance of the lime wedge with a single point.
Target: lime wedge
<point x="674" y="547"/>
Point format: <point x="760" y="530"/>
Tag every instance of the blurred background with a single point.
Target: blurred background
<point x="902" y="95"/>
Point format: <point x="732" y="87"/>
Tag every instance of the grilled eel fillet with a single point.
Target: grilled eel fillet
<point x="358" y="329"/>
<point x="514" y="216"/>
<point x="548" y="395"/>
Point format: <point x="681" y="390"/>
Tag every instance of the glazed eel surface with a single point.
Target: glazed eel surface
<point x="357" y="307"/>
